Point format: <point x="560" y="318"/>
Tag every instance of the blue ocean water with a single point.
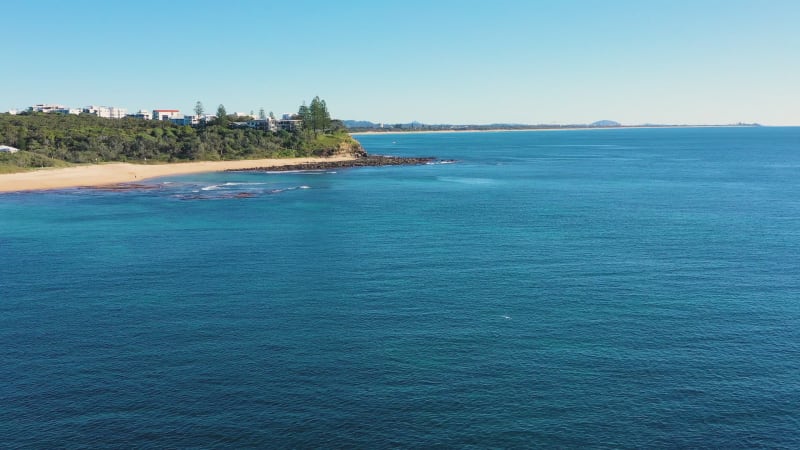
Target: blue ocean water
<point x="604" y="288"/>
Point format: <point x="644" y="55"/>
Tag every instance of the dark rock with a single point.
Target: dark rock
<point x="367" y="161"/>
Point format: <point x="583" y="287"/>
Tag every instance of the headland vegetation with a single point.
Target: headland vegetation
<point x="62" y="140"/>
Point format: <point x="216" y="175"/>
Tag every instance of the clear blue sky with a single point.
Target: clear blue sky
<point x="526" y="61"/>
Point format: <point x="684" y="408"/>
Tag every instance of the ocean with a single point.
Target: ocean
<point x="611" y="288"/>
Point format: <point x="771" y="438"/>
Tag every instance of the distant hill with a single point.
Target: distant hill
<point x="605" y="123"/>
<point x="360" y="124"/>
<point x="366" y="125"/>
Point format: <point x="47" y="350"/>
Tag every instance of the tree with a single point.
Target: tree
<point x="319" y="119"/>
<point x="222" y="115"/>
<point x="315" y="111"/>
<point x="325" y="116"/>
<point x="198" y="108"/>
<point x="305" y="115"/>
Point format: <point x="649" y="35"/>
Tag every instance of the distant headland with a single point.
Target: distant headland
<point x="365" y="126"/>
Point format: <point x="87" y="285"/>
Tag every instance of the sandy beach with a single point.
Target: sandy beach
<point x="113" y="173"/>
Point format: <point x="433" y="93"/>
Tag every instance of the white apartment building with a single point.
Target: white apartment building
<point x="109" y="112"/>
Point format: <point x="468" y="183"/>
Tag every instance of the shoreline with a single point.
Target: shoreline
<point x="99" y="175"/>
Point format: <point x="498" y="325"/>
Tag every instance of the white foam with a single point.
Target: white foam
<point x="241" y="184"/>
<point x="306" y="172"/>
<point x="467" y="180"/>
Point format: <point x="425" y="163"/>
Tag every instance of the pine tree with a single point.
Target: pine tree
<point x="222" y="115"/>
<point x="305" y="115"/>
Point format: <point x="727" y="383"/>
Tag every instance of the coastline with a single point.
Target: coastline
<point x="114" y="173"/>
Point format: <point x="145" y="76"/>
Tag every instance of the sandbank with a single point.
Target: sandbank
<point x="114" y="173"/>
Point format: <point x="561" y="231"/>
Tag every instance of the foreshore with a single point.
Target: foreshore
<point x="114" y="173"/>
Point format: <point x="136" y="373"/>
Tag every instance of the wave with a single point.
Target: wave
<point x="215" y="187"/>
<point x="307" y="172"/>
<point x="466" y="180"/>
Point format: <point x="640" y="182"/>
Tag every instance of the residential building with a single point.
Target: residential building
<point x="46" y="108"/>
<point x="109" y="112"/>
<point x="268" y="124"/>
<point x="166" y="114"/>
<point x="141" y="114"/>
<point x="290" y="124"/>
<point x="186" y="120"/>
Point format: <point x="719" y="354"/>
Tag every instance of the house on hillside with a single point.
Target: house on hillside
<point x="108" y="112"/>
<point x="267" y="124"/>
<point x="166" y="114"/>
<point x="8" y="149"/>
<point x="192" y="121"/>
<point x="290" y="124"/>
<point x="141" y="114"/>
<point x="47" y="108"/>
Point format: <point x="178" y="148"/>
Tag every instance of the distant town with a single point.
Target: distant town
<point x="262" y="121"/>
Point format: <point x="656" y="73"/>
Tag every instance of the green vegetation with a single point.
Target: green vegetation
<point x="51" y="140"/>
<point x="14" y="162"/>
<point x="316" y="117"/>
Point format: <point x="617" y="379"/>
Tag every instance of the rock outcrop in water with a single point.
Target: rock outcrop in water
<point x="366" y="161"/>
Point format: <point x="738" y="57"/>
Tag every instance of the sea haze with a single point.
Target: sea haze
<point x="598" y="288"/>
